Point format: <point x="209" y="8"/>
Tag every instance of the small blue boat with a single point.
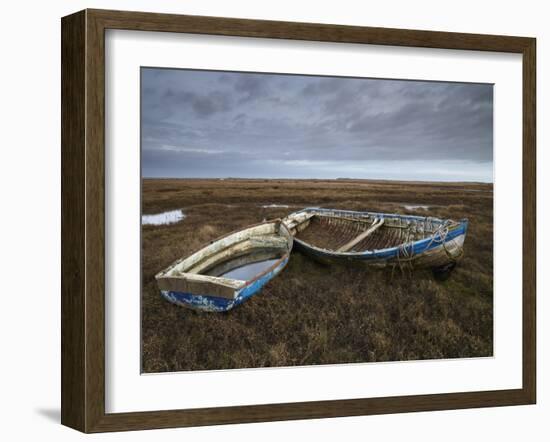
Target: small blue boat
<point x="378" y="239"/>
<point x="229" y="270"/>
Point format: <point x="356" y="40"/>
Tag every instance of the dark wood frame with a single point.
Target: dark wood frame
<point x="83" y="216"/>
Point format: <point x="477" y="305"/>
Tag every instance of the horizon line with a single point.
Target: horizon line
<point x="317" y="179"/>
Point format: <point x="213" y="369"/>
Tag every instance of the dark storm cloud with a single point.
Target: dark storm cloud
<point x="218" y="124"/>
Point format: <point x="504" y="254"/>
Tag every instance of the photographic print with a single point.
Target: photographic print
<point x="294" y="220"/>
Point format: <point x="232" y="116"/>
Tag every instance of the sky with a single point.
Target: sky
<point x="216" y="124"/>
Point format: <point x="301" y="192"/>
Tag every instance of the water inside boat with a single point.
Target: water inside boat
<point x="249" y="271"/>
<point x="245" y="267"/>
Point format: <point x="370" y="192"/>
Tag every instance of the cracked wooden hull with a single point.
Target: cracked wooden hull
<point x="377" y="239"/>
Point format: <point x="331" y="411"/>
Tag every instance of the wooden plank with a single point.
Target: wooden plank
<point x="201" y="285"/>
<point x="376" y="225"/>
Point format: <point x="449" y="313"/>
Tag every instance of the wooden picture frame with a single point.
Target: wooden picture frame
<point x="83" y="220"/>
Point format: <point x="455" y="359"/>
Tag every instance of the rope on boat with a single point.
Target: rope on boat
<point x="405" y="252"/>
<point x="405" y="256"/>
<point x="443" y="231"/>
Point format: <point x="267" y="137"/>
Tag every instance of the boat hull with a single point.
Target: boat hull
<point x="434" y="251"/>
<point x="437" y="256"/>
<point x="212" y="303"/>
<point x="229" y="270"/>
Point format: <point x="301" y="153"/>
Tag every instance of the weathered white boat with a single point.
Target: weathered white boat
<point x="379" y="239"/>
<point x="229" y="270"/>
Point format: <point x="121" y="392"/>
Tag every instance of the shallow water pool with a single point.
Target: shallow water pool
<point x="159" y="219"/>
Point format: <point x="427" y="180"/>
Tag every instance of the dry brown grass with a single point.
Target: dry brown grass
<point x="315" y="314"/>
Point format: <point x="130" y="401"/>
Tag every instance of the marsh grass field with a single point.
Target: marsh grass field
<point x="314" y="313"/>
